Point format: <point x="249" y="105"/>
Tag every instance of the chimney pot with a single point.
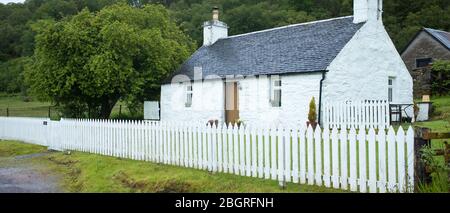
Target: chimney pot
<point x="215" y="12"/>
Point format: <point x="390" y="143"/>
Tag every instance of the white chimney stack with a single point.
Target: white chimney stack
<point x="214" y="30"/>
<point x="367" y="10"/>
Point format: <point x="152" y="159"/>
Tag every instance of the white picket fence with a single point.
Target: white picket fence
<point x="356" y="114"/>
<point x="363" y="161"/>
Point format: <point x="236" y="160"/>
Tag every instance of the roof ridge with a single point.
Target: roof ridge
<point x="287" y="26"/>
<point x="436" y="30"/>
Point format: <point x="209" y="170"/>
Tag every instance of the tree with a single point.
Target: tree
<point x="11" y="78"/>
<point x="312" y="114"/>
<point x="86" y="63"/>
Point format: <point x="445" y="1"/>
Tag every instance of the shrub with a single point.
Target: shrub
<point x="312" y="115"/>
<point x="441" y="80"/>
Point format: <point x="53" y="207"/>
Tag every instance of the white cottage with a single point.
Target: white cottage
<point x="269" y="76"/>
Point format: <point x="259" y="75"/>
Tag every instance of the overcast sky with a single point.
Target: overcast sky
<point x="7" y="1"/>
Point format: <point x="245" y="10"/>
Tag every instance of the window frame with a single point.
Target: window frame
<point x="391" y="89"/>
<point x="189" y="95"/>
<point x="418" y="60"/>
<point x="275" y="89"/>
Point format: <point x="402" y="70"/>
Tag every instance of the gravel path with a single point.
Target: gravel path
<point x="18" y="175"/>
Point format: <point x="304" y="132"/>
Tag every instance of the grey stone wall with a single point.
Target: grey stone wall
<point x="424" y="46"/>
<point x="422" y="81"/>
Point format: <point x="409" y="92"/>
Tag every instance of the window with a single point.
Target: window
<point x="423" y="62"/>
<point x="188" y="102"/>
<point x="391" y="83"/>
<point x="275" y="91"/>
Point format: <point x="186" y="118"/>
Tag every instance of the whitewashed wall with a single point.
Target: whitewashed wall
<point x="207" y="102"/>
<point x="361" y="70"/>
<point x="296" y="93"/>
<point x="254" y="105"/>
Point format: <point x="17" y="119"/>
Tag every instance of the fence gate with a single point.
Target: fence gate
<point x="347" y="114"/>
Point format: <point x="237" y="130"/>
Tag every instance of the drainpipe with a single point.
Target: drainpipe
<point x="320" y="96"/>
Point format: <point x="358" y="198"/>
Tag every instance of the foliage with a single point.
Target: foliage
<point x="438" y="171"/>
<point x="441" y="81"/>
<point x="11" y="75"/>
<point x="312" y="114"/>
<point x="402" y="18"/>
<point x="127" y="116"/>
<point x="86" y="63"/>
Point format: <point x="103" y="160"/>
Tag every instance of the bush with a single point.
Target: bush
<point x="127" y="116"/>
<point x="441" y="74"/>
<point x="437" y="170"/>
<point x="312" y="115"/>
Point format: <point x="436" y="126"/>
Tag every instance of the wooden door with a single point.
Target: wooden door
<point x="231" y="102"/>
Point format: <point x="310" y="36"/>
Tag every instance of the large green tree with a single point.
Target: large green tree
<point x="86" y="63"/>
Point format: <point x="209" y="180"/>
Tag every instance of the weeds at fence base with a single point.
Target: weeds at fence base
<point x="62" y="161"/>
<point x="162" y="186"/>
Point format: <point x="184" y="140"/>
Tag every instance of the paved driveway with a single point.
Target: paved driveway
<point x="17" y="175"/>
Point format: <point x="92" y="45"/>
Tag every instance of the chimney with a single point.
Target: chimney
<point x="214" y="30"/>
<point x="367" y="10"/>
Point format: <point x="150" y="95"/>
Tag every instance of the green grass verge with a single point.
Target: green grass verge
<point x="84" y="172"/>
<point x="19" y="106"/>
<point x="14" y="148"/>
<point x="440" y="122"/>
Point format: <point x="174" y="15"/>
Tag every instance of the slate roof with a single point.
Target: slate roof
<point x="299" y="48"/>
<point x="442" y="36"/>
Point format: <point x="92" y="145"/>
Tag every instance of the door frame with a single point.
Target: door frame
<point x="236" y="99"/>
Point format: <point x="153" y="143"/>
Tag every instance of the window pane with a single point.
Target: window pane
<point x="277" y="83"/>
<point x="189" y="100"/>
<point x="423" y="62"/>
<point x="390" y="95"/>
<point x="277" y="98"/>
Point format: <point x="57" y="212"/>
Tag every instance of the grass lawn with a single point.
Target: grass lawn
<point x="19" y="107"/>
<point x="440" y="122"/>
<point x="84" y="172"/>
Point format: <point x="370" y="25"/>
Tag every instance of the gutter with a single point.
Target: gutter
<point x="320" y="95"/>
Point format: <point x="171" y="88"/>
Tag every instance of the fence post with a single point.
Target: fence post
<point x="419" y="167"/>
<point x="49" y="115"/>
<point x="7" y="112"/>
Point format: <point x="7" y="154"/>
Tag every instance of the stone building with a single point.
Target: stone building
<point x="427" y="46"/>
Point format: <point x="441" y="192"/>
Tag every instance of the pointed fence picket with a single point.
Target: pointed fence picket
<point x="374" y="160"/>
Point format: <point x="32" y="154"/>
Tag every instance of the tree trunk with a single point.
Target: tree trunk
<point x="107" y="107"/>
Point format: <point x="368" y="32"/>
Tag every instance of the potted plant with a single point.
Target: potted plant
<point x="312" y="114"/>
